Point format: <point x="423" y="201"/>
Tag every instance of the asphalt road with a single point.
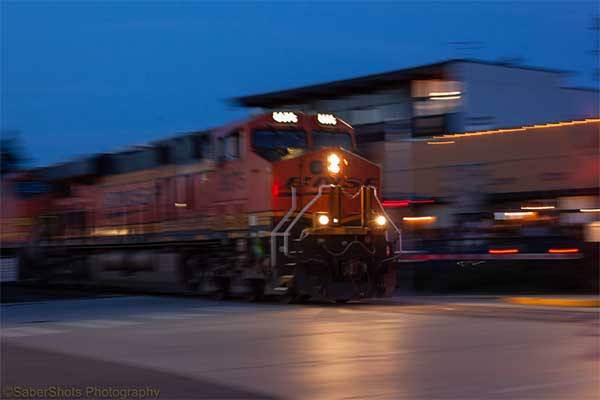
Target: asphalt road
<point x="191" y="348"/>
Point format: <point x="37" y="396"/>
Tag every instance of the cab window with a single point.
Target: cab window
<point x="277" y="145"/>
<point x="230" y="147"/>
<point x="332" y="139"/>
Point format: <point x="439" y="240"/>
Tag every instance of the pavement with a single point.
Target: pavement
<point x="417" y="347"/>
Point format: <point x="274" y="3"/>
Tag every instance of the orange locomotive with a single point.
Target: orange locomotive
<point x="279" y="204"/>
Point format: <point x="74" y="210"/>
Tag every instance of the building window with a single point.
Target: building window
<point x="435" y="97"/>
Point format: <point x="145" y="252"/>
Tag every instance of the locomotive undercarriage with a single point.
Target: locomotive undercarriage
<point x="340" y="268"/>
<point x="314" y="270"/>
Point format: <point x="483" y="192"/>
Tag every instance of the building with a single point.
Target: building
<point x="450" y="96"/>
<point x="398" y="116"/>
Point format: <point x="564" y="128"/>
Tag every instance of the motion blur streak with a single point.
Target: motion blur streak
<point x="570" y="250"/>
<point x="503" y="251"/>
<point x="521" y="129"/>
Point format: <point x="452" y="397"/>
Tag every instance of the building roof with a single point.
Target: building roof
<point x="368" y="82"/>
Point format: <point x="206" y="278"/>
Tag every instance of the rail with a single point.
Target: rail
<point x="286" y="234"/>
<point x="275" y="232"/>
<point x="398" y="231"/>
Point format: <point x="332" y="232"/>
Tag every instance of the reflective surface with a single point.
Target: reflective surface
<point x="206" y="349"/>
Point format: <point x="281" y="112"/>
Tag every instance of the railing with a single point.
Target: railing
<point x="275" y="232"/>
<point x="286" y="234"/>
<point x="398" y="231"/>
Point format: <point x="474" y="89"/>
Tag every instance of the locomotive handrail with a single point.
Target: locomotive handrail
<point x="398" y="231"/>
<point x="286" y="233"/>
<point x="275" y="231"/>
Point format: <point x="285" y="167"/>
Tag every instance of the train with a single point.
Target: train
<point x="280" y="204"/>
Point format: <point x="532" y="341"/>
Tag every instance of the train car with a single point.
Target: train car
<point x="279" y="204"/>
<point x="23" y="197"/>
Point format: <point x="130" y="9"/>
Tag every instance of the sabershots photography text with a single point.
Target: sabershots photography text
<point x="80" y="392"/>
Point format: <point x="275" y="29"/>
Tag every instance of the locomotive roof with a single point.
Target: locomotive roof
<point x="92" y="164"/>
<point x="177" y="149"/>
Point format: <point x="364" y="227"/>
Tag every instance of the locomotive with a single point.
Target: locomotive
<point x="279" y="205"/>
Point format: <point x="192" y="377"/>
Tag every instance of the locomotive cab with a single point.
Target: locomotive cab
<point x="330" y="237"/>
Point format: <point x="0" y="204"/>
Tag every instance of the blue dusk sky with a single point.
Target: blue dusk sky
<point x="81" y="77"/>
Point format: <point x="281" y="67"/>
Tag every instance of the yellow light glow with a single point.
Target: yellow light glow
<point x="326" y="119"/>
<point x="590" y="210"/>
<point x="334" y="169"/>
<point x="333" y="161"/>
<point x="445" y="98"/>
<point x="380" y="220"/>
<point x="446" y="142"/>
<point x="285" y="117"/>
<point x="521" y="129"/>
<point x="110" y="232"/>
<point x="323" y="219"/>
<point x="455" y="93"/>
<point x="538" y="208"/>
<point x="180" y="205"/>
<point x="333" y="158"/>
<point x="428" y="218"/>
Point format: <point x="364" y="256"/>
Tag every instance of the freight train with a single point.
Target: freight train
<point x="280" y="204"/>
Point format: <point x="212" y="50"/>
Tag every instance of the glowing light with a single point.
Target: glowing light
<point x="323" y="219"/>
<point x="333" y="163"/>
<point x="521" y="129"/>
<point x="380" y="220"/>
<point x="538" y="208"/>
<point x="395" y="203"/>
<point x="326" y="119"/>
<point x="519" y="214"/>
<point x="333" y="158"/>
<point x="503" y="251"/>
<point x="405" y="203"/>
<point x="285" y="117"/>
<point x="515" y="215"/>
<point x="568" y="250"/>
<point x="428" y="218"/>
<point x="446" y="142"/>
<point x="444" y="93"/>
<point x="335" y="220"/>
<point x="275" y="190"/>
<point x="445" y="98"/>
<point x="590" y="210"/>
<point x="110" y="232"/>
<point x="180" y="205"/>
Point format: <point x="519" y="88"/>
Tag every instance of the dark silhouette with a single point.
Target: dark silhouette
<point x="12" y="156"/>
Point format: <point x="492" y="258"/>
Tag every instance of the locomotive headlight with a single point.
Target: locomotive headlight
<point x="326" y="119"/>
<point x="380" y="220"/>
<point x="333" y="163"/>
<point x="323" y="219"/>
<point x="285" y="117"/>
